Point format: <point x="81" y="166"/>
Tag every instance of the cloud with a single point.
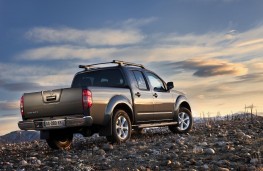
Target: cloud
<point x="233" y="55"/>
<point x="231" y="45"/>
<point x="135" y="23"/>
<point x="9" y="105"/>
<point x="95" y="37"/>
<point x="21" y="86"/>
<point x="35" y="77"/>
<point x="250" y="78"/>
<point x="210" y="67"/>
<point x="66" y="52"/>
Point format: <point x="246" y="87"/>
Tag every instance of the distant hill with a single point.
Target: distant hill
<point x="19" y="136"/>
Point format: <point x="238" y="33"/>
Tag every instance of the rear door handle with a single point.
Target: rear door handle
<point x="138" y="94"/>
<point x="155" y="95"/>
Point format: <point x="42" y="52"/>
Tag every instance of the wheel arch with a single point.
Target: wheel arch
<point x="118" y="102"/>
<point x="182" y="101"/>
<point x="126" y="108"/>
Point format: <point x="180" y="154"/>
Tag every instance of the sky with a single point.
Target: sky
<point x="210" y="49"/>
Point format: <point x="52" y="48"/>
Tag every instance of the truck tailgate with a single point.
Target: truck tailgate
<point x="58" y="102"/>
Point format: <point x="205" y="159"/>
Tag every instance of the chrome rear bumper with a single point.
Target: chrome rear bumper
<point x="69" y="122"/>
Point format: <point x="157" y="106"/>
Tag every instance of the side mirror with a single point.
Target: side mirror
<point x="170" y="85"/>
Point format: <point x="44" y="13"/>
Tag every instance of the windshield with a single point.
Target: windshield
<point x="99" y="78"/>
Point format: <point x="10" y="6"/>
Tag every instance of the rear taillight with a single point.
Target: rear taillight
<point x="22" y="105"/>
<point x="86" y="98"/>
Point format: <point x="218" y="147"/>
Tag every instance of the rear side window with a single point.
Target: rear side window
<point x="156" y="82"/>
<point x="99" y="78"/>
<point x="140" y="80"/>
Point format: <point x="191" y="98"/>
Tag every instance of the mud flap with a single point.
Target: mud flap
<point x="107" y="129"/>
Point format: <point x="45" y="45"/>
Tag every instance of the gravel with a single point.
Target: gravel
<point x="222" y="146"/>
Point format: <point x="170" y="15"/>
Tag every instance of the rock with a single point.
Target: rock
<point x="24" y="163"/>
<point x="223" y="163"/>
<point x="87" y="168"/>
<point x="206" y="167"/>
<point x="55" y="158"/>
<point x="222" y="169"/>
<point x="100" y="152"/>
<point x="246" y="137"/>
<point x="192" y="162"/>
<point x="107" y="147"/>
<point x="198" y="150"/>
<point x="155" y="152"/>
<point x="254" y="161"/>
<point x="68" y="160"/>
<point x="142" y="168"/>
<point x="95" y="148"/>
<point x="177" y="164"/>
<point x="39" y="162"/>
<point x="34" y="154"/>
<point x="180" y="141"/>
<point x="203" y="144"/>
<point x="209" y="151"/>
<point x="240" y="134"/>
<point x="221" y="143"/>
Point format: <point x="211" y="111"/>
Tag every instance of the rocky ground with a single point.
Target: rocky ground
<point x="222" y="146"/>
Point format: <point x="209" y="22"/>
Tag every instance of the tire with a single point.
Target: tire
<point x="60" y="141"/>
<point x="121" y="127"/>
<point x="185" y="122"/>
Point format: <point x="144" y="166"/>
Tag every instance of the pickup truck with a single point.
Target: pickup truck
<point x="111" y="100"/>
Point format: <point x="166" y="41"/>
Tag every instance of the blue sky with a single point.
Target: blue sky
<point x="211" y="49"/>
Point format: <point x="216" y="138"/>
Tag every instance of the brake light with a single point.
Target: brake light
<point x="22" y="105"/>
<point x="86" y="98"/>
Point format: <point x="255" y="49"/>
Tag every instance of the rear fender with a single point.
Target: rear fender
<point x="114" y="101"/>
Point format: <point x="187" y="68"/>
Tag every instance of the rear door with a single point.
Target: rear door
<point x="143" y="99"/>
<point x="163" y="101"/>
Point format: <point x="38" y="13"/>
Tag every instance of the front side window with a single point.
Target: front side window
<point x="141" y="83"/>
<point x="99" y="78"/>
<point x="155" y="82"/>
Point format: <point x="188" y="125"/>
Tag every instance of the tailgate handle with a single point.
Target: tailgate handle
<point x="51" y="98"/>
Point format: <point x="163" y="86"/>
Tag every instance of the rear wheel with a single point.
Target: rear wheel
<point x="121" y="127"/>
<point x="185" y="122"/>
<point x="60" y="141"/>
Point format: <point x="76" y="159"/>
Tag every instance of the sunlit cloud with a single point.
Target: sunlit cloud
<point x="212" y="67"/>
<point x="66" y="52"/>
<point x="9" y="124"/>
<point x="93" y="37"/>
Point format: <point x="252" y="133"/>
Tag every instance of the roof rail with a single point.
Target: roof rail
<point x="123" y="63"/>
<point x="120" y="63"/>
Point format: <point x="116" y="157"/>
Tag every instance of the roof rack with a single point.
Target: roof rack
<point x="120" y="63"/>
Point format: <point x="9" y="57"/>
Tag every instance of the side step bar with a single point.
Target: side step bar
<point x="154" y="124"/>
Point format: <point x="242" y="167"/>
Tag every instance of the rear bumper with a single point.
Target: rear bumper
<point x="69" y="122"/>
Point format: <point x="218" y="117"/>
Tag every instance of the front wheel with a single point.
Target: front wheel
<point x="121" y="127"/>
<point x="60" y="141"/>
<point x="185" y="122"/>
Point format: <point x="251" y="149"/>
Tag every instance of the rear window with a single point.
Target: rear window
<point x="99" y="78"/>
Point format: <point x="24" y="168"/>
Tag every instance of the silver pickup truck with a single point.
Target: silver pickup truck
<point x="110" y="100"/>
